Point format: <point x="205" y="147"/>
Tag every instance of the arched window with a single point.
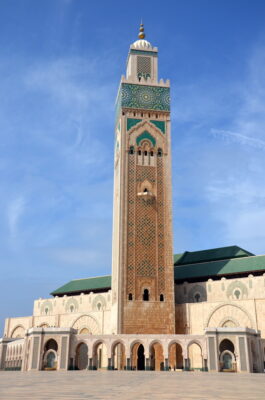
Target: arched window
<point x="197" y="297"/>
<point x="146" y="295"/>
<point x="161" y="297"/>
<point x="72" y="308"/>
<point x="51" y="344"/>
<point x="46" y="310"/>
<point x="145" y="190"/>
<point x="237" y="293"/>
<point x="151" y="153"/>
<point x="145" y="153"/>
<point x="130" y="296"/>
<point x="139" y="152"/>
<point x="99" y="306"/>
<point x="159" y="153"/>
<point x="131" y="151"/>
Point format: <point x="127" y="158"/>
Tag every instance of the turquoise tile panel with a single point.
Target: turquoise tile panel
<point x="131" y="122"/>
<point x="160" y="125"/>
<point x="144" y="97"/>
<point x="145" y="135"/>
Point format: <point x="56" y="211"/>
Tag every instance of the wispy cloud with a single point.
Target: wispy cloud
<point x="15" y="211"/>
<point x="238" y="137"/>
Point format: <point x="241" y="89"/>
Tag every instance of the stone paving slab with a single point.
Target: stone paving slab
<point x="135" y="385"/>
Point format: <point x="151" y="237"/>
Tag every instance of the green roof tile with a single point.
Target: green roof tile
<point x="220" y="253"/>
<point x="220" y="267"/>
<point x="188" y="265"/>
<point x="84" y="285"/>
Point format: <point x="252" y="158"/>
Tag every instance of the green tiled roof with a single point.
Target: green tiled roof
<point x="84" y="285"/>
<point x="220" y="253"/>
<point x="221" y="267"/>
<point x="189" y="265"/>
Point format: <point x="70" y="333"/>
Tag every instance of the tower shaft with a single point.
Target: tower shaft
<point x="142" y="265"/>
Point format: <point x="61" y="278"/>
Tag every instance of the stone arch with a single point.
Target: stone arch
<point x="230" y="322"/>
<point x="175" y="355"/>
<point x="156" y="356"/>
<point x="86" y="321"/>
<point x="51" y="344"/>
<point x="137" y="351"/>
<point x="84" y="331"/>
<point x="227" y="357"/>
<point x="197" y="289"/>
<point x="146" y="126"/>
<point x="235" y="286"/>
<point x="146" y="184"/>
<point x="100" y="354"/>
<point x="99" y="299"/>
<point x="229" y="311"/>
<point x="118" y="354"/>
<point x="136" y="341"/>
<point x="154" y="342"/>
<point x="46" y="307"/>
<point x="227" y="363"/>
<point x="50" y="360"/>
<point x="18" y="332"/>
<point x="146" y="136"/>
<point x="50" y="355"/>
<point x="195" y="358"/>
<point x="71" y="305"/>
<point x="44" y="325"/>
<point x="117" y="341"/>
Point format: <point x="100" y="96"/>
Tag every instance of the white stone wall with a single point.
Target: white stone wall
<point x="86" y="311"/>
<point x="226" y="302"/>
<point x="251" y="287"/>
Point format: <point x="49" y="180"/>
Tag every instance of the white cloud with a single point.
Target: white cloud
<point x="14" y="213"/>
<point x="238" y="137"/>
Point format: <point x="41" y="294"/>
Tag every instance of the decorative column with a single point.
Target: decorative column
<point x="186" y="364"/>
<point x="128" y="365"/>
<point x="110" y="364"/>
<point x="147" y="364"/>
<point x="90" y="364"/>
<point x="3" y="347"/>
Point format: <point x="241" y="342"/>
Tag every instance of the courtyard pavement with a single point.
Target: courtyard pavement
<point x="135" y="385"/>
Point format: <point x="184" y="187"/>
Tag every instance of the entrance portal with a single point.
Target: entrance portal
<point x="51" y="358"/>
<point x="82" y="356"/>
<point x="227" y="361"/>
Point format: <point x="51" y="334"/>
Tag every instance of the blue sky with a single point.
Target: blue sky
<point x="60" y="66"/>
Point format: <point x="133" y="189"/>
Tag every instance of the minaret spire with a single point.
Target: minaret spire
<point x="141" y="34"/>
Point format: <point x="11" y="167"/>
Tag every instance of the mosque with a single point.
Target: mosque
<point x="202" y="310"/>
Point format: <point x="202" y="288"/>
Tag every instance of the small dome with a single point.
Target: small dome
<point x="142" y="44"/>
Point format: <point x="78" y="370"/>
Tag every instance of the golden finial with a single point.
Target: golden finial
<point x="141" y="34"/>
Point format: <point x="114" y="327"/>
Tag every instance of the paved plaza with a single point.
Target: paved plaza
<point x="124" y="385"/>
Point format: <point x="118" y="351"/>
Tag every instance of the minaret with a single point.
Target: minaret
<point x="142" y="258"/>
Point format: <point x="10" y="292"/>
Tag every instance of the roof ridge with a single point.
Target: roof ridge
<point x="91" y="277"/>
<point x="223" y="259"/>
<point x="216" y="248"/>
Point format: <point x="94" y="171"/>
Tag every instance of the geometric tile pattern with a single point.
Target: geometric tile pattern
<point x="160" y="225"/>
<point x="144" y="97"/>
